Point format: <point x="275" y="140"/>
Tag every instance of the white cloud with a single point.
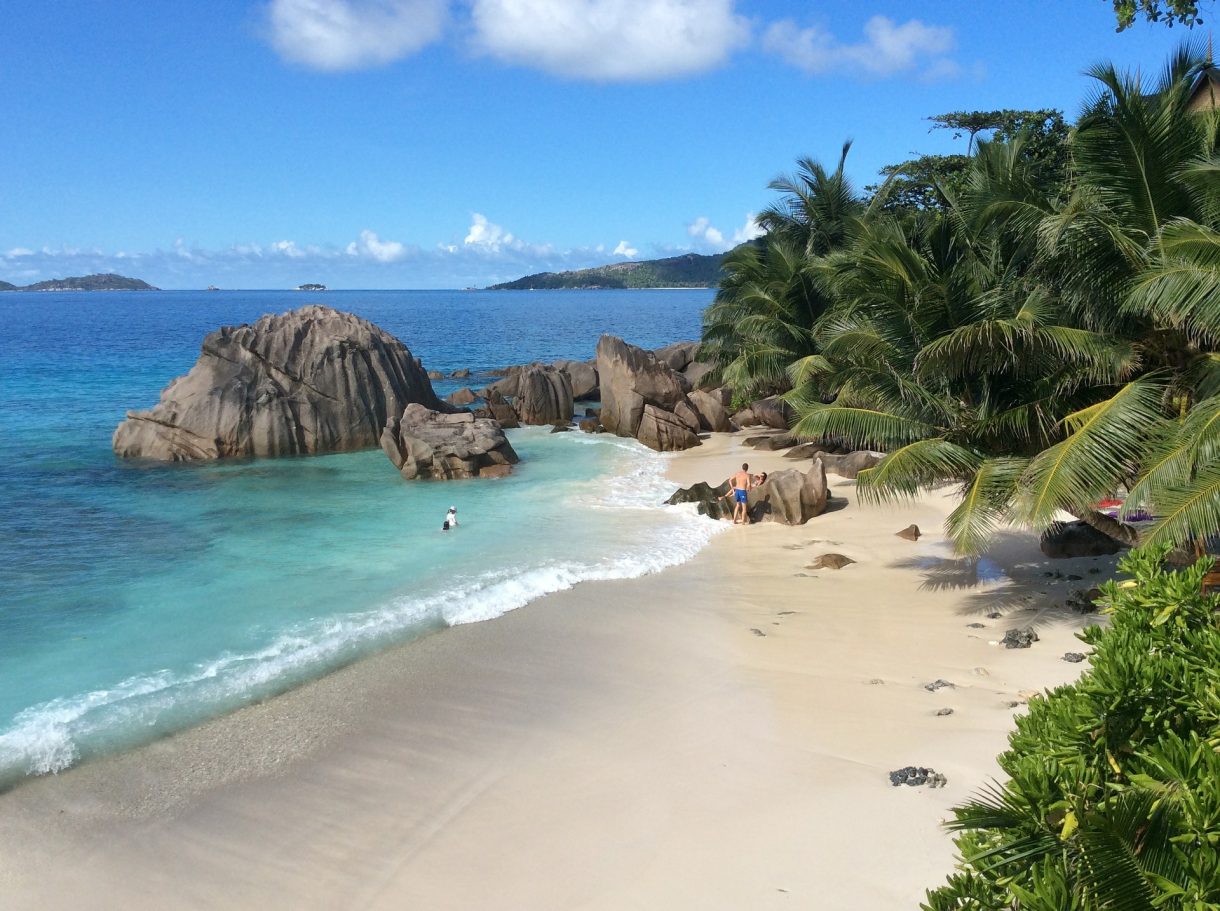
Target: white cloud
<point x="708" y="237"/>
<point x="610" y="40"/>
<point x="19" y="251"/>
<point x="372" y="246"/>
<point x="623" y="249"/>
<point x="888" y="47"/>
<point x="486" y="234"/>
<point x="353" y="34"/>
<point x="288" y="248"/>
<point x="705" y="234"/>
<point x="749" y="231"/>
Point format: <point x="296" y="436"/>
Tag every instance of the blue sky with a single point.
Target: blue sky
<point x="448" y="143"/>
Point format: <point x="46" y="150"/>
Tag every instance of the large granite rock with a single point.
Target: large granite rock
<point x="695" y="372"/>
<point x="640" y="395"/>
<point x="544" y="396"/>
<point x="712" y="414"/>
<point x="790" y="497"/>
<point x="773" y="412"/>
<point x="1077" y="539"/>
<point x="307" y="381"/>
<point x="499" y="409"/>
<point x="423" y="443"/>
<point x="664" y="431"/>
<point x="584" y="378"/>
<point x="678" y="356"/>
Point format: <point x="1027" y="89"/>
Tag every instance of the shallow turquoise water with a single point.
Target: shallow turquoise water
<point x="135" y="600"/>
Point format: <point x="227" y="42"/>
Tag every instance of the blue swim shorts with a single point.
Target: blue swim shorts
<point x="740" y="494"/>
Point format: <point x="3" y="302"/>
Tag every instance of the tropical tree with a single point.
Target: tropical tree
<point x="1059" y="343"/>
<point x="769" y="300"/>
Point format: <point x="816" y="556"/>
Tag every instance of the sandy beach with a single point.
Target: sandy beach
<point x="715" y="736"/>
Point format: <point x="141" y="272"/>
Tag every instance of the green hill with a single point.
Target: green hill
<point x="107" y="281"/>
<point x="690" y="270"/>
<point x="5" y="286"/>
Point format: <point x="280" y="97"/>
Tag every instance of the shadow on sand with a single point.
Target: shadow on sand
<point x="1015" y="582"/>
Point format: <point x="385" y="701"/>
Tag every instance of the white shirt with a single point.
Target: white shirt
<point x="451" y="518"/>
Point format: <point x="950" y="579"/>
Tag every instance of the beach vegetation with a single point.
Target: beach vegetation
<point x="1043" y="334"/>
<point x="1112" y="798"/>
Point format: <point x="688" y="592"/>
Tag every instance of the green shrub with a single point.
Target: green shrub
<point x="1113" y="797"/>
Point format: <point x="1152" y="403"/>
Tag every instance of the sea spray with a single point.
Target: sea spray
<point x="589" y="506"/>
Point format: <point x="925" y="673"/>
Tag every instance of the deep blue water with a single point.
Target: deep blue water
<point x="135" y="600"/>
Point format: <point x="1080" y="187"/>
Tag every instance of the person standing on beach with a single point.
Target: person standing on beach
<point x="740" y="485"/>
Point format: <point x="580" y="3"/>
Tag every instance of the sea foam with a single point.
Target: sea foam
<point x="634" y="537"/>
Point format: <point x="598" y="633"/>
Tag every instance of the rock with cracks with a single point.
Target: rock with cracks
<point x="423" y="443"/>
<point x="308" y="381"/>
<point x="544" y="396"/>
<point x="641" y="397"/>
<point x="790" y="497"/>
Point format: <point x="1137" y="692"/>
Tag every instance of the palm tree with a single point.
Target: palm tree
<point x="770" y="298"/>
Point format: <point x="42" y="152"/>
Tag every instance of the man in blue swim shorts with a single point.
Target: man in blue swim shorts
<point x="740" y="485"/>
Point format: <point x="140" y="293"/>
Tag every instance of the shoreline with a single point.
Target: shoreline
<point x="706" y="736"/>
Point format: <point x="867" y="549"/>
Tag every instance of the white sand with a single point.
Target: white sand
<point x="710" y="737"/>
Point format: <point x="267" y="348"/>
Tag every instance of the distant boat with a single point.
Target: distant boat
<point x="311" y="287"/>
<point x="213" y="288"/>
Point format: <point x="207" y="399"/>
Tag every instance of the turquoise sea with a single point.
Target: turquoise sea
<point x="136" y="600"/>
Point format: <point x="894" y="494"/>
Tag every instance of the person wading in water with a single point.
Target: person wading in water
<point x="740" y="484"/>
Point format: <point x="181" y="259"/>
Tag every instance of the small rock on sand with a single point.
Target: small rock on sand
<point x="937" y="684"/>
<point x="944" y="711"/>
<point x="830" y="561"/>
<point x="914" y="776"/>
<point x="1073" y="657"/>
<point x="756" y="631"/>
<point x="1019" y="638"/>
<point x="911" y="533"/>
<point x="977" y="625"/>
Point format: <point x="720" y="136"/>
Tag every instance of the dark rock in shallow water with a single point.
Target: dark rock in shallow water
<point x="914" y="776"/>
<point x="710" y="500"/>
<point x="938" y="684"/>
<point x="462" y="374"/>
<point x="1019" y="638"/>
<point x="1073" y="657"/>
<point x="431" y="445"/>
<point x="1065" y="540"/>
<point x="435" y="375"/>
<point x="591" y="425"/>
<point x="544" y="396"/>
<point x="312" y="380"/>
<point x="560" y="428"/>
<point x="463" y="396"/>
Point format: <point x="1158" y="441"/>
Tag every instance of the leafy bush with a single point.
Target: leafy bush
<point x="1113" y="798"/>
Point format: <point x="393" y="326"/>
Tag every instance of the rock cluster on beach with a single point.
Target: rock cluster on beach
<point x="790" y="497"/>
<point x="428" y="444"/>
<point x="915" y="776"/>
<point x="308" y="381"/>
<point x="644" y="397"/>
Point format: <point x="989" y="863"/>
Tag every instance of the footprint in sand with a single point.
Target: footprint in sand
<point x="756" y="631"/>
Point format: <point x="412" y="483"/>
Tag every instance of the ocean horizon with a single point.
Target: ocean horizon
<point x="141" y="599"/>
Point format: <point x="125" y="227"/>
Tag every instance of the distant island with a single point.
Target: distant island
<point x="691" y="270"/>
<point x="311" y="287"/>
<point x="106" y="281"/>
